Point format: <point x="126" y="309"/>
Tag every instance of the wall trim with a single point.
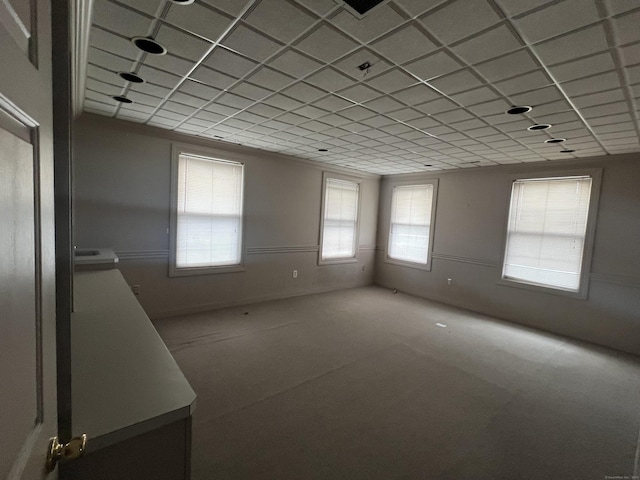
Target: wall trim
<point x="81" y="12"/>
<point x="283" y="249"/>
<point x="249" y="300"/>
<point x="141" y="254"/>
<point x="368" y="247"/>
<point x="615" y="279"/>
<point x="474" y="261"/>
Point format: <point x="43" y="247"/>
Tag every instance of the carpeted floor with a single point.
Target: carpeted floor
<point x="364" y="384"/>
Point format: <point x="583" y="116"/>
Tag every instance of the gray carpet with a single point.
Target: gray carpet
<point x="363" y="384"/>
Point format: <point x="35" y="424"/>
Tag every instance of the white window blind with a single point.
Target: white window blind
<point x="410" y="223"/>
<point x="209" y="212"/>
<point x="340" y="219"/>
<point x="546" y="231"/>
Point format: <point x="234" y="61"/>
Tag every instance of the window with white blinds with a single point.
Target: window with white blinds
<point x="340" y="219"/>
<point x="410" y="229"/>
<point x="547" y="230"/>
<point x="209" y="212"/>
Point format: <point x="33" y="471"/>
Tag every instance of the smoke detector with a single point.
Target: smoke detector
<point x="361" y="8"/>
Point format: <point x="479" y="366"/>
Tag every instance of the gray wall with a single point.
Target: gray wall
<point x="121" y="200"/>
<point x="469" y="235"/>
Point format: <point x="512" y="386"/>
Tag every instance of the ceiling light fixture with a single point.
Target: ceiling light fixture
<point x="149" y="45"/>
<point x="364" y="66"/>
<point x="539" y="126"/>
<point x="428" y="165"/>
<point x="516" y="110"/>
<point x="323" y="150"/>
<point x="567" y="150"/>
<point x="122" y="99"/>
<point x="131" y="77"/>
<point x="555" y="140"/>
<point x="183" y="2"/>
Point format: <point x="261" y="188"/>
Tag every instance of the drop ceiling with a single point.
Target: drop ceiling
<point x="284" y="76"/>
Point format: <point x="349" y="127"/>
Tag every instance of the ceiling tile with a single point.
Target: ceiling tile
<point x="556" y="19"/>
<point x="489" y="108"/>
<point x="321" y="7"/>
<point x="391" y="81"/>
<point x="406" y="114"/>
<point x="231" y="63"/>
<point x="199" y="19"/>
<point x="170" y="64"/>
<point x="384" y="105"/>
<point x="631" y="54"/>
<point x="311" y="111"/>
<point x="123" y="21"/>
<point x="477" y="95"/>
<point x="453" y="116"/>
<point x="456" y="82"/>
<point x="234" y="7"/>
<point x="213" y="78"/>
<point x="417" y="94"/>
<point x="434" y="66"/>
<point x="250" y="91"/>
<point x="491" y="44"/>
<point x="295" y="64"/>
<point x="370" y="26"/>
<point x="460" y="19"/>
<point x="620" y="6"/>
<point x="113" y="43"/>
<point x="437" y="106"/>
<point x="159" y="77"/>
<point x="524" y="83"/>
<point x="595" y="83"/>
<point x="109" y="61"/>
<point x="537" y="97"/>
<point x="303" y="92"/>
<point x="604" y="110"/>
<point x="349" y="65"/>
<point x="199" y="90"/>
<point x="568" y="47"/>
<point x="326" y="43"/>
<point x="583" y="67"/>
<point x="359" y="93"/>
<point x="280" y="19"/>
<point x="150" y="89"/>
<point x="283" y="102"/>
<point x="418" y="7"/>
<point x="507" y="66"/>
<point x="235" y="101"/>
<point x="181" y="44"/>
<point x="332" y="103"/>
<point x="270" y="79"/>
<point x="330" y="80"/>
<point x="626" y="28"/>
<point x="357" y="113"/>
<point x="516" y="7"/>
<point x="251" y="43"/>
<point x="404" y="45"/>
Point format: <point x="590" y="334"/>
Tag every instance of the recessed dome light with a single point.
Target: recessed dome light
<point x="516" y="110"/>
<point x="183" y="2"/>
<point x="567" y="150"/>
<point x="323" y="150"/>
<point x="131" y="77"/>
<point x="555" y="140"/>
<point x="428" y="165"/>
<point x="122" y="99"/>
<point x="539" y="126"/>
<point x="149" y="45"/>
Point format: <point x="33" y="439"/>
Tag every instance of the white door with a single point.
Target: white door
<point x="28" y="409"/>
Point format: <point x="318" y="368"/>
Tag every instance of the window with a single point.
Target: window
<point x="339" y="232"/>
<point x="410" y="224"/>
<point x="547" y="232"/>
<point x="207" y="215"/>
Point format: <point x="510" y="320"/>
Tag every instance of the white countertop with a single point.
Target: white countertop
<point x="124" y="380"/>
<point x="94" y="256"/>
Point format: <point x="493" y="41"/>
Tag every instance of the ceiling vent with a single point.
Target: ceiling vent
<point x="361" y="8"/>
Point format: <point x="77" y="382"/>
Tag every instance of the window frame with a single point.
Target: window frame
<point x="174" y="271"/>
<point x="434" y="201"/>
<point x="346" y="178"/>
<point x="587" y="254"/>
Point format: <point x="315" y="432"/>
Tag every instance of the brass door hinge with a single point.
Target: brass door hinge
<point x="71" y="451"/>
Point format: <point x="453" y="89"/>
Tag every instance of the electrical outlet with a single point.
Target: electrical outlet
<point x="295" y="274"/>
<point x="135" y="289"/>
<point x="449" y="281"/>
<point x="364" y="268"/>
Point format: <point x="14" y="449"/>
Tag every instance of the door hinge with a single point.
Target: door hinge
<point x="71" y="451"/>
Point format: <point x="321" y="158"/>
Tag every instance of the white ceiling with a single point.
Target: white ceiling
<point x="282" y="76"/>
